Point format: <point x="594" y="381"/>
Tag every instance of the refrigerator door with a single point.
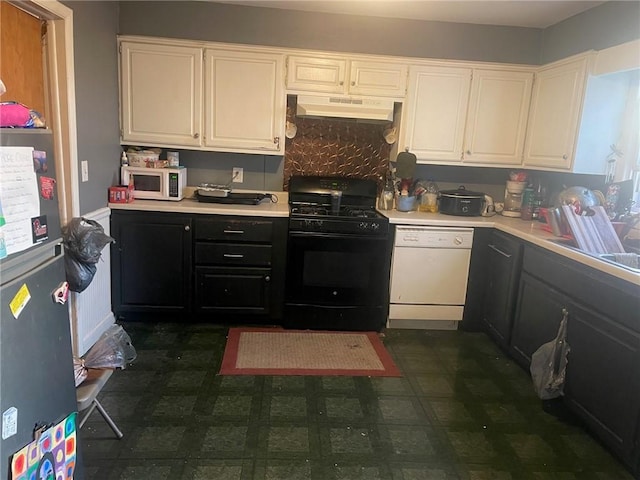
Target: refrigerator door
<point x="41" y="140"/>
<point x="36" y="363"/>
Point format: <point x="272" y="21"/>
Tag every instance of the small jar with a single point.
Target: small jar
<point x="429" y="199"/>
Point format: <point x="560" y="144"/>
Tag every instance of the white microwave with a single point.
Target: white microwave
<point x="156" y="183"/>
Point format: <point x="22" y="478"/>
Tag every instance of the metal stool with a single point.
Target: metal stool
<point x="86" y="395"/>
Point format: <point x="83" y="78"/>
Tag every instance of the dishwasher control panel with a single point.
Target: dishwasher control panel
<point x="433" y="237"/>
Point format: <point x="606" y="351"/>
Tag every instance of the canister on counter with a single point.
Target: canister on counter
<point x="173" y="158"/>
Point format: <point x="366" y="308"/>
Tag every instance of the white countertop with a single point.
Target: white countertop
<point x="266" y="208"/>
<point x="525" y="230"/>
<point x="530" y="231"/>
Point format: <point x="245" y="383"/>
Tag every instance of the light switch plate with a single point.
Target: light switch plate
<point x="85" y="170"/>
<point x="237" y="174"/>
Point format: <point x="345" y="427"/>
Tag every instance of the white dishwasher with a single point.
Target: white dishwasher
<point x="429" y="272"/>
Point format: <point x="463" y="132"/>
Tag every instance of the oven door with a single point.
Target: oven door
<point x="337" y="270"/>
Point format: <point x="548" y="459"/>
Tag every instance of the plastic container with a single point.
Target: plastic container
<point x="405" y="203"/>
<point x="143" y="158"/>
<point x="429" y="199"/>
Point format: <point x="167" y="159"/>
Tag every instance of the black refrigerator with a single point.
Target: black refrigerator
<point x="36" y="362"/>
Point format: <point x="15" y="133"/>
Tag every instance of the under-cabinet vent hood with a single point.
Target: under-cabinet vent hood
<point x="380" y="109"/>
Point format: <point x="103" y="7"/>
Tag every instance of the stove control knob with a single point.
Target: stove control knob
<point x="457" y="240"/>
<point x="375" y="226"/>
<point x="362" y="226"/>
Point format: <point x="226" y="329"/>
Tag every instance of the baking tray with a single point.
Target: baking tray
<point x="235" y="198"/>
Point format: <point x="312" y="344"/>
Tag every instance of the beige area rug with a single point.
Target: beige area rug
<point x="272" y="351"/>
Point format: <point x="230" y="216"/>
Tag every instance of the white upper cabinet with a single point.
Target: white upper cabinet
<point x="174" y="94"/>
<point x="346" y="76"/>
<point x="554" y="116"/>
<point x="244" y="101"/>
<point x="497" y="117"/>
<point x="435" y="112"/>
<point x="160" y="94"/>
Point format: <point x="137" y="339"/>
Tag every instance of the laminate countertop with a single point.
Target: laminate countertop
<point x="266" y="208"/>
<point x="530" y="231"/>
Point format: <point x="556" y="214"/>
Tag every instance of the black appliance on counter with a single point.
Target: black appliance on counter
<point x="338" y="255"/>
<point x="461" y="202"/>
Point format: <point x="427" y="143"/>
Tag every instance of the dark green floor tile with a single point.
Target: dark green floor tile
<point x="461" y="411"/>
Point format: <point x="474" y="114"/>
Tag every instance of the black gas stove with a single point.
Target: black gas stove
<point x="314" y="206"/>
<point x="338" y="256"/>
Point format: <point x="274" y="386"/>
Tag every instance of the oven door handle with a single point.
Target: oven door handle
<point x="232" y="255"/>
<point x="237" y="232"/>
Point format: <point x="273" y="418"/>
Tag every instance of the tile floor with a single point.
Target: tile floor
<point x="462" y="410"/>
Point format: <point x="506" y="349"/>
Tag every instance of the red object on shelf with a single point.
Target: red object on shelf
<point x="121" y="194"/>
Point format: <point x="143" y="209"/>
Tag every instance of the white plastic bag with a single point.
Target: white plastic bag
<point x="549" y="364"/>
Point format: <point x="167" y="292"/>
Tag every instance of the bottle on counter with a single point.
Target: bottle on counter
<point x="429" y="199"/>
<point x="528" y="203"/>
<point x="124" y="161"/>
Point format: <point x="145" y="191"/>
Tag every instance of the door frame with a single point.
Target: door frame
<point x="60" y="97"/>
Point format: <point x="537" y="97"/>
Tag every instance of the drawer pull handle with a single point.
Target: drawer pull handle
<point x="496" y="249"/>
<point x="237" y="232"/>
<point x="233" y="255"/>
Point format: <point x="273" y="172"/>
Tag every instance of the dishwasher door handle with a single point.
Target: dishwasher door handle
<point x="496" y="249"/>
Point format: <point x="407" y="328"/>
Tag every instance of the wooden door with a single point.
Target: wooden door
<point x="21" y="68"/>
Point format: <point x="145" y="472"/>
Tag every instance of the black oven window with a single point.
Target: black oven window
<point x="147" y="183"/>
<point x="336" y="269"/>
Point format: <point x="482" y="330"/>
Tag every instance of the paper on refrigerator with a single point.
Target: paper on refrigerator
<point x="19" y="197"/>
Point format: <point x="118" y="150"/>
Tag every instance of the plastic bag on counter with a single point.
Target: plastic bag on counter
<point x="83" y="240"/>
<point x="112" y="350"/>
<point x="549" y="364"/>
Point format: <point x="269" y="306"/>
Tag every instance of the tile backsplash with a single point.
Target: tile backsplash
<point x="330" y="146"/>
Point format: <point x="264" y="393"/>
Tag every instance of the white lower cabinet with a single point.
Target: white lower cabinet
<point x="244" y="101"/>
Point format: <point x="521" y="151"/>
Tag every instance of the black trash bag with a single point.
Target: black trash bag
<point x="549" y="364"/>
<point x="83" y="240"/>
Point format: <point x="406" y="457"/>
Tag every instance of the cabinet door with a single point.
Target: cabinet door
<point x="436" y="111"/>
<point x="245" y="103"/>
<point x="497" y="117"/>
<point x="539" y="311"/>
<point x="151" y="263"/>
<point x="316" y="74"/>
<point x="233" y="290"/>
<point x="603" y="377"/>
<point x="555" y="114"/>
<point x="160" y="94"/>
<point x="378" y="79"/>
<point x="504" y="256"/>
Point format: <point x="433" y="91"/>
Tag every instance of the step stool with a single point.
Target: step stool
<point x="87" y="392"/>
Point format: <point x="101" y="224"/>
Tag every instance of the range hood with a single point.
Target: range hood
<point x="380" y="109"/>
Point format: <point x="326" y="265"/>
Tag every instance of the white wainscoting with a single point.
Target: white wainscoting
<point x="90" y="310"/>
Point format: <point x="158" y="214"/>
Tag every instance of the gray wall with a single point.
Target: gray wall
<point x="95" y="27"/>
<point x="96" y="24"/>
<point x="341" y="33"/>
<point x="601" y="27"/>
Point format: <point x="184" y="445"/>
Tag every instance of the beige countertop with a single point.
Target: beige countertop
<point x="529" y="231"/>
<point x="266" y="208"/>
<point x="526" y="230"/>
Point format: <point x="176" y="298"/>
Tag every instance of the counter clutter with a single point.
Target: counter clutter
<point x="530" y="231"/>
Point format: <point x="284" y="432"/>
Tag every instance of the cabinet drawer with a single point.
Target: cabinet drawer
<point x="236" y="230"/>
<point x="232" y="254"/>
<point x="238" y="290"/>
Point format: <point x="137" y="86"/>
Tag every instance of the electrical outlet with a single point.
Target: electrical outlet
<point x="237" y="174"/>
<point x="85" y="170"/>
